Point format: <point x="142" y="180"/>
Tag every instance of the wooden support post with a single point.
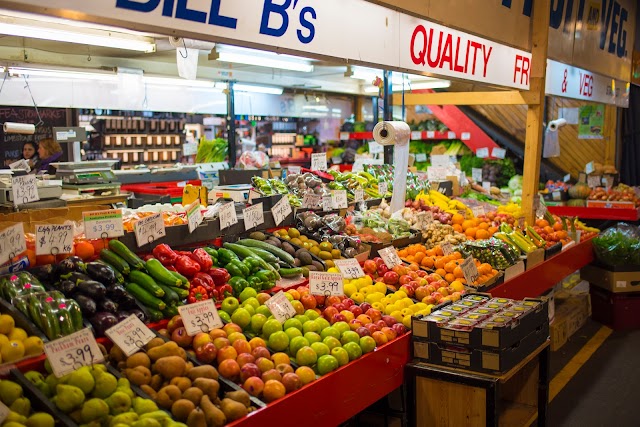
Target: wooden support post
<point x="535" y="113"/>
<point x="610" y="134"/>
<point x="357" y="108"/>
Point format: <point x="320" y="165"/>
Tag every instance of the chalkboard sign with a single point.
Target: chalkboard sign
<point x="12" y="143"/>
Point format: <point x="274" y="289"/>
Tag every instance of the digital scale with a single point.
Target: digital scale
<point x="88" y="177"/>
<point x="47" y="189"/>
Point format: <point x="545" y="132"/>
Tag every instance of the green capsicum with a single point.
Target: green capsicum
<point x="236" y="268"/>
<point x="266" y="276"/>
<point x="252" y="264"/>
<point x="213" y="254"/>
<point x="255" y="283"/>
<point x="225" y="256"/>
<point x="238" y="284"/>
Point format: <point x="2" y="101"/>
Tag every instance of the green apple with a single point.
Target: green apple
<point x="320" y="348"/>
<point x="330" y="332"/>
<point x="271" y="326"/>
<point x="257" y="322"/>
<point x="342" y="327"/>
<point x="311" y="326"/>
<point x="326" y="364"/>
<point x="229" y="305"/>
<point x="241" y="317"/>
<point x="264" y="310"/>
<point x="292" y="323"/>
<point x="367" y="344"/>
<point x="253" y="302"/>
<point x="293" y="332"/>
<point x="350" y="336"/>
<point x="312" y="337"/>
<point x="324" y="323"/>
<point x="306" y="357"/>
<point x="278" y="341"/>
<point x="297" y="343"/>
<point x="331" y="342"/>
<point x="312" y="314"/>
<point x="353" y="350"/>
<point x="247" y="293"/>
<point x="302" y="318"/>
<point x="341" y="355"/>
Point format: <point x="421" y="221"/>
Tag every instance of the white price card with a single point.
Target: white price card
<point x="149" y="229"/>
<point x="253" y="195"/>
<point x="431" y="134"/>
<point x="416" y="135"/>
<point x="24" y="189"/>
<point x="12" y="242"/>
<point x="440" y="160"/>
<point x="482" y="153"/>
<point x="390" y="256"/>
<point x="319" y="162"/>
<point x="358" y="195"/>
<point x="4" y="412"/>
<point x="280" y="307"/>
<point x="437" y="173"/>
<point x="556" y="196"/>
<point x="608" y="181"/>
<point x="339" y="199"/>
<point x="486" y="186"/>
<point x="194" y="216"/>
<point x="344" y="136"/>
<point x="428" y="217"/>
<point x="447" y="248"/>
<point x="327" y="202"/>
<point x="103" y="224"/>
<point x="311" y="201"/>
<point x="326" y="284"/>
<point x="476" y="174"/>
<point x="589" y="168"/>
<point x="375" y="148"/>
<point x="20" y="164"/>
<point x="498" y="153"/>
<point x="594" y="181"/>
<point x="421" y="157"/>
<point x="253" y="216"/>
<point x="200" y="317"/>
<point x="567" y="177"/>
<point x="131" y="335"/>
<point x="281" y="210"/>
<point x="53" y="239"/>
<point x="228" y="216"/>
<point x="350" y="268"/>
<point x="294" y="170"/>
<point x="478" y="211"/>
<point x="72" y="352"/>
<point x="470" y="270"/>
<point x="383" y="188"/>
<point x="465" y="136"/>
<point x="451" y="135"/>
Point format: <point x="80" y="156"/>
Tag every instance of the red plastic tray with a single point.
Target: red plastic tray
<point x="161" y="188"/>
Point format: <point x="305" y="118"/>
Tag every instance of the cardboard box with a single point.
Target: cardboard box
<point x="614" y="281"/>
<point x="48" y="216"/>
<point x="571" y="313"/>
<point x="238" y="193"/>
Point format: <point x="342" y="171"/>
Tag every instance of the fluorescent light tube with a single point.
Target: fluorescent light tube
<point x="64" y="74"/>
<point x="167" y="81"/>
<point x="271" y="90"/>
<point x="263" y="59"/>
<point x="369" y="74"/>
<point x="433" y="84"/>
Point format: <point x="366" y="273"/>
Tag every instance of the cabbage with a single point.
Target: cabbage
<point x="518" y="193"/>
<point x="516" y="199"/>
<point x="515" y="183"/>
<point x="506" y="190"/>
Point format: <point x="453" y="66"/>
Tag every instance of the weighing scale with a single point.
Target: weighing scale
<point x="47" y="189"/>
<point x="88" y="177"/>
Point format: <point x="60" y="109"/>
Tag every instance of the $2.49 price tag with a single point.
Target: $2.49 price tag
<point x="281" y="210"/>
<point x="228" y="216"/>
<point x="53" y="239"/>
<point x="73" y="352"/>
<point x="280" y="307"/>
<point x="200" y="317"/>
<point x="470" y="270"/>
<point x="194" y="216"/>
<point x="12" y="242"/>
<point x="149" y="229"/>
<point x="350" y="268"/>
<point x="103" y="224"/>
<point x="326" y="284"/>
<point x="130" y="335"/>
<point x="390" y="256"/>
<point x="24" y="189"/>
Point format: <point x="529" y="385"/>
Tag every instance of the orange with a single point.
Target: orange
<point x="439" y="251"/>
<point x="450" y="266"/>
<point x="418" y="257"/>
<point x="456" y="255"/>
<point x="31" y="255"/>
<point x="457" y="227"/>
<point x="441" y="272"/>
<point x="411" y="258"/>
<point x="440" y="262"/>
<point x="402" y="253"/>
<point x="471" y="232"/>
<point x="85" y="250"/>
<point x="427" y="262"/>
<point x="414" y="267"/>
<point x="431" y="252"/>
<point x="493" y="230"/>
<point x="467" y="224"/>
<point x="45" y="259"/>
<point x="482" y="234"/>
<point x="449" y="277"/>
<point x="483" y="226"/>
<point x="457" y="219"/>
<point x="457" y="272"/>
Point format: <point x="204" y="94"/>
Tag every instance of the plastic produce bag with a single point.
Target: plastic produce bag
<point x="618" y="246"/>
<point x="253" y="160"/>
<point x="551" y="146"/>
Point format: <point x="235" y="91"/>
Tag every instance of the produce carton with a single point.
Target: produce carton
<point x="570" y="315"/>
<point x="613" y="281"/>
<point x="48" y="216"/>
<point x="618" y="311"/>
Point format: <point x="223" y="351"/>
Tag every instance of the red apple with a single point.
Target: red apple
<point x="179" y="335"/>
<point x="356" y="310"/>
<point x="365" y="306"/>
<point x="249" y="370"/>
<point x="291" y="382"/>
<point x="404" y="279"/>
<point x="370" y="266"/>
<point x="230" y="328"/>
<point x="430" y="299"/>
<point x="332" y="300"/>
<point x="284" y="368"/>
<point x="221" y="342"/>
<point x="421" y="273"/>
<point x="329" y="312"/>
<point x="174" y="323"/>
<point x="407" y="290"/>
<point x="308" y="301"/>
<point x="355" y="324"/>
<point x="338" y="317"/>
<point x="320" y="300"/>
<point x="259" y="352"/>
<point x="363" y="331"/>
<point x="207" y="353"/>
<point x="347" y="302"/>
<point x="399" y="328"/>
<point x="244" y="358"/>
<point x="421" y="292"/>
<point x="437" y="296"/>
<point x="364" y="319"/>
<point x="380" y="324"/>
<point x="391" y="278"/>
<point x="374" y="314"/>
<point x="432" y="279"/>
<point x="372" y="327"/>
<point x="242" y="346"/>
<point x="271" y="374"/>
<point x="339" y="306"/>
<point x="225" y="353"/>
<point x="431" y="289"/>
<point x="390" y="321"/>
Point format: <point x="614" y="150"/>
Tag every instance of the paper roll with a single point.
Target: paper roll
<point x="180" y="43"/>
<point x="22" y="128"/>
<point x="392" y="133"/>
<point x="554" y="125"/>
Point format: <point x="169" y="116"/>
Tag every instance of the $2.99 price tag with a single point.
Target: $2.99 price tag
<point x="253" y="216"/>
<point x="149" y="229"/>
<point x="24" y="189"/>
<point x="131" y="335"/>
<point x="280" y="307"/>
<point x="103" y="224"/>
<point x="194" y="216"/>
<point x="228" y="216"/>
<point x="52" y="239"/>
<point x="470" y="270"/>
<point x="281" y="210"/>
<point x="200" y="317"/>
<point x="12" y="242"/>
<point x="350" y="268"/>
<point x="73" y="352"/>
<point x="326" y="284"/>
<point x="390" y="256"/>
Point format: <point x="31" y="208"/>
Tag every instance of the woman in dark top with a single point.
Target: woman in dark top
<point x="30" y="153"/>
<point x="49" y="151"/>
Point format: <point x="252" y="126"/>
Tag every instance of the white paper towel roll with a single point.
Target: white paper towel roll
<point x="397" y="134"/>
<point x="22" y="128"/>
<point x="554" y="125"/>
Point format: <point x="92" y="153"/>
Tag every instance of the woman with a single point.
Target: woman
<point x="29" y="153"/>
<point x="49" y="151"/>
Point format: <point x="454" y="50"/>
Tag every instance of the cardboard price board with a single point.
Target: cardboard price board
<point x="339" y="199"/>
<point x="53" y="239"/>
<point x="131" y="335"/>
<point x="358" y="195"/>
<point x="194" y="216"/>
<point x="12" y="242"/>
<point x="319" y="162"/>
<point x="311" y="201"/>
<point x="228" y="216"/>
<point x="72" y="352"/>
<point x="149" y="229"/>
<point x="200" y="317"/>
<point x="350" y="268"/>
<point x="253" y="216"/>
<point x="326" y="284"/>
<point x="103" y="224"/>
<point x="447" y="248"/>
<point x="25" y="189"/>
<point x="281" y="210"/>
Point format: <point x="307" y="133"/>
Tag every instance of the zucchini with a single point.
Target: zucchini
<point x="170" y="312"/>
<point x="154" y="315"/>
<point x="184" y="282"/>
<point x="170" y="297"/>
<point x="160" y="273"/>
<point x="182" y="293"/>
<point x="290" y="272"/>
<point x="115" y="261"/>
<point x="119" y="276"/>
<point x="121" y="250"/>
<point x="269" y="248"/>
<point x="145" y="298"/>
<point x="147" y="282"/>
<point x="245" y="252"/>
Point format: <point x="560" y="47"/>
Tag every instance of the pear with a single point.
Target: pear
<point x="40" y="419"/>
<point x="9" y="392"/>
<point x="119" y="403"/>
<point x="239" y="396"/>
<point x="22" y="406"/>
<point x="94" y="409"/>
<point x="142" y="406"/>
<point x="196" y="419"/>
<point x="83" y="379"/>
<point x="147" y="422"/>
<point x="68" y="397"/>
<point x="127" y="418"/>
<point x="214" y="416"/>
<point x="106" y="385"/>
<point x="125" y="386"/>
<point x="16" y="417"/>
<point x="233" y="410"/>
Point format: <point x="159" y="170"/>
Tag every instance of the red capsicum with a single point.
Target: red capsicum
<point x="197" y="293"/>
<point x="202" y="258"/>
<point x="204" y="280"/>
<point x="186" y="266"/>
<point x="220" y="276"/>
<point x="165" y="254"/>
<point x="224" y="291"/>
<point x="214" y="295"/>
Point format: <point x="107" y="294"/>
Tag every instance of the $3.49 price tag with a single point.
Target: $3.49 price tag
<point x="131" y="335"/>
<point x="469" y="270"/>
<point x="149" y="229"/>
<point x="12" y="242"/>
<point x="103" y="224"/>
<point x="53" y="239"/>
<point x="228" y="216"/>
<point x="326" y="284"/>
<point x="390" y="256"/>
<point x="200" y="317"/>
<point x="281" y="210"/>
<point x="280" y="307"/>
<point x="350" y="268"/>
<point x="253" y="216"/>
<point x="194" y="215"/>
<point x="478" y="211"/>
<point x="73" y="352"/>
<point x="24" y="189"/>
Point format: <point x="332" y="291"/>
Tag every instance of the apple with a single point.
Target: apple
<point x="404" y="279"/>
<point x="338" y="317"/>
<point x="265" y="364"/>
<point x="414" y="284"/>
<point x="333" y="299"/>
<point x="259" y="352"/>
<point x="242" y="346"/>
<point x="271" y="374"/>
<point x="244" y="358"/>
<point x="390" y="321"/>
<point x="175" y="323"/>
<point x="432" y="279"/>
<point x="438" y="296"/>
<point x="225" y="353"/>
<point x="370" y="266"/>
<point x="320" y="300"/>
<point x="363" y="331"/>
<point x="364" y="319"/>
<point x="348" y="315"/>
<point x="291" y="382"/>
<point x="221" y="342"/>
<point x="391" y="278"/>
<point x="407" y="290"/>
<point x="207" y="353"/>
<point x="399" y="328"/>
<point x="179" y="335"/>
<point x="308" y="302"/>
<point x="390" y="333"/>
<point x="421" y="273"/>
<point x="284" y="368"/>
<point x="421" y="292"/>
<point x="356" y="310"/>
<point x="380" y="324"/>
<point x="249" y="370"/>
<point x="217" y="333"/>
<point x="365" y="306"/>
<point x="443" y="290"/>
<point x="355" y="324"/>
<point x="348" y="302"/>
<point x="372" y="327"/>
<point x="442" y="283"/>
<point x="329" y="312"/>
<point x="339" y="306"/>
<point x="380" y="337"/>
<point x="374" y="314"/>
<point x="431" y="289"/>
<point x="230" y="328"/>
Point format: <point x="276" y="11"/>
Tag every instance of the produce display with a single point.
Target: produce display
<point x="20" y="407"/>
<point x="620" y="193"/>
<point x="618" y="245"/>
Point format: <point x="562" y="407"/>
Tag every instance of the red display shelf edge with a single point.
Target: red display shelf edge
<point x="437" y="135"/>
<point x="614" y="214"/>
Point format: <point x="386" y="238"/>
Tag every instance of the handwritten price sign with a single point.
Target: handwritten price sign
<point x="319" y="162"/>
<point x="73" y="352"/>
<point x="228" y="216"/>
<point x="200" y="317"/>
<point x="339" y="199"/>
<point x="447" y="248"/>
<point x="131" y="335"/>
<point x="12" y="242"/>
<point x="326" y="284"/>
<point x="390" y="256"/>
<point x="280" y="307"/>
<point x="253" y="216"/>
<point x="470" y="270"/>
<point x="311" y="201"/>
<point x="194" y="216"/>
<point x="149" y="229"/>
<point x="103" y="224"/>
<point x="281" y="210"/>
<point x="24" y="189"/>
<point x="52" y="239"/>
<point x="358" y="195"/>
<point x="350" y="268"/>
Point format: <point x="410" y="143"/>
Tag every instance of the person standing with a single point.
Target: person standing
<point x="30" y="153"/>
<point x="49" y="152"/>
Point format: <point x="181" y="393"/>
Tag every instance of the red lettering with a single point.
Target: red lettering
<point x="457" y="67"/>
<point x="486" y="56"/>
<point x="447" y="54"/>
<point x="419" y="59"/>
<point x="466" y="58"/>
<point x="523" y="69"/>
<point x="586" y="85"/>
<point x="475" y="46"/>
<point x="434" y="63"/>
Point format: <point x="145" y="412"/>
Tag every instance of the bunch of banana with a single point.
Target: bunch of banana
<point x="582" y="226"/>
<point x="448" y="205"/>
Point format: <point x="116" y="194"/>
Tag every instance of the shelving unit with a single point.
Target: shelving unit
<point x="612" y="214"/>
<point x="415" y="136"/>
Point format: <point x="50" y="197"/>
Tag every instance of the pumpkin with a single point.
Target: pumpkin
<point x="576" y="203"/>
<point x="579" y="191"/>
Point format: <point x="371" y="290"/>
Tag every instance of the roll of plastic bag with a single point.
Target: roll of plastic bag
<point x="391" y="133"/>
<point x="22" y="128"/>
<point x="554" y="125"/>
<point x="398" y="135"/>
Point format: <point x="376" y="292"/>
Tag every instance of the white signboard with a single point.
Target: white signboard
<point x="72" y="352"/>
<point x="327" y="284"/>
<point x="103" y="224"/>
<point x="201" y="316"/>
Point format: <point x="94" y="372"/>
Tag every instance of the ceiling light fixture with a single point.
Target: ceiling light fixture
<point x="271" y="90"/>
<point x="370" y="74"/>
<point x="432" y="84"/>
<point x="261" y="59"/>
<point x="167" y="81"/>
<point x="64" y="74"/>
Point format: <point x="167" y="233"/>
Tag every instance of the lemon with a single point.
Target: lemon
<point x="397" y="315"/>
<point x="390" y="309"/>
<point x="357" y="297"/>
<point x="378" y="306"/>
<point x="6" y="324"/>
<point x="380" y="287"/>
<point x="406" y="321"/>
<point x="366" y="290"/>
<point x="386" y="301"/>
<point x="408" y="302"/>
<point x="367" y="279"/>
<point x="3" y="339"/>
<point x="18" y="334"/>
<point x="373" y="297"/>
<point x="333" y="270"/>
<point x="350" y="289"/>
<point x="33" y="346"/>
<point x="12" y="351"/>
<point x="401" y="294"/>
<point x="394" y="298"/>
<point x="414" y="308"/>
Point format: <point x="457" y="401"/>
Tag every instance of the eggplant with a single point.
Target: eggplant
<point x="67" y="287"/>
<point x="102" y="321"/>
<point x="140" y="314"/>
<point x="127" y="302"/>
<point x="75" y="277"/>
<point x="105" y="304"/>
<point x="87" y="305"/>
<point x="100" y="273"/>
<point x="122" y="315"/>
<point x="117" y="293"/>
<point x="92" y="289"/>
<point x="70" y="265"/>
<point x="45" y="273"/>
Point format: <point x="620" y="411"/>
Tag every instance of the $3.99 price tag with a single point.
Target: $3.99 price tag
<point x="350" y="268"/>
<point x="280" y="307"/>
<point x="390" y="256"/>
<point x="194" y="216"/>
<point x="73" y="352"/>
<point x="12" y="242"/>
<point x="103" y="224"/>
<point x="52" y="239"/>
<point x="131" y="335"/>
<point x="200" y="317"/>
<point x="24" y="189"/>
<point x="228" y="216"/>
<point x="281" y="210"/>
<point x="149" y="229"/>
<point x="326" y="284"/>
<point x="253" y="216"/>
<point x="470" y="270"/>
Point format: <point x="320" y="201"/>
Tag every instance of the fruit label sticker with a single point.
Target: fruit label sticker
<point x="469" y="270"/>
<point x="567" y="177"/>
<point x="327" y="203"/>
<point x="53" y="239"/>
<point x="478" y="211"/>
<point x="281" y="307"/>
<point x="375" y="148"/>
<point x="476" y="174"/>
<point x="326" y="284"/>
<point x="339" y="199"/>
<point x="12" y="242"/>
<point x="149" y="229"/>
<point x="447" y="248"/>
<point x="24" y="189"/>
<point x="383" y="187"/>
<point x="498" y="153"/>
<point x="390" y="256"/>
<point x="73" y="352"/>
<point x="103" y="224"/>
<point x="281" y="210"/>
<point x="350" y="268"/>
<point x="358" y="195"/>
<point x="589" y="168"/>
<point x="200" y="317"/>
<point x="253" y="216"/>
<point x="228" y="216"/>
<point x="194" y="215"/>
<point x="311" y="201"/>
<point x="482" y="153"/>
<point x="131" y="335"/>
<point x="319" y="162"/>
<point x="421" y="157"/>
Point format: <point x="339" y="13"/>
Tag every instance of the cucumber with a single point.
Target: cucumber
<point x="121" y="250"/>
<point x="154" y="315"/>
<point x="147" y="282"/>
<point x="76" y="315"/>
<point x="184" y="282"/>
<point x="119" y="276"/>
<point x="115" y="260"/>
<point x="182" y="293"/>
<point x="170" y="297"/>
<point x="50" y="322"/>
<point x="160" y="273"/>
<point x="269" y="248"/>
<point x="66" y="322"/>
<point x="290" y="272"/>
<point x="265" y="255"/>
<point x="170" y="312"/>
<point x="145" y="298"/>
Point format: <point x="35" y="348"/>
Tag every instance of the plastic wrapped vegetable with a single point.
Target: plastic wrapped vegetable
<point x="617" y="246"/>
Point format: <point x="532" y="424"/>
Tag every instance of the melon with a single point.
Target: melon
<point x="579" y="191"/>
<point x="576" y="203"/>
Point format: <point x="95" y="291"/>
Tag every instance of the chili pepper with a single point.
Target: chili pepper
<point x="186" y="266"/>
<point x="165" y="254"/>
<point x="205" y="279"/>
<point x="197" y="293"/>
<point x="237" y="268"/>
<point x="202" y="258"/>
<point x="225" y="291"/>
<point x="252" y="264"/>
<point x="255" y="282"/>
<point x="220" y="276"/>
<point x="238" y="284"/>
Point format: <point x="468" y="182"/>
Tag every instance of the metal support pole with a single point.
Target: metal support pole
<point x="387" y="112"/>
<point x="231" y="124"/>
<point x="376" y="110"/>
